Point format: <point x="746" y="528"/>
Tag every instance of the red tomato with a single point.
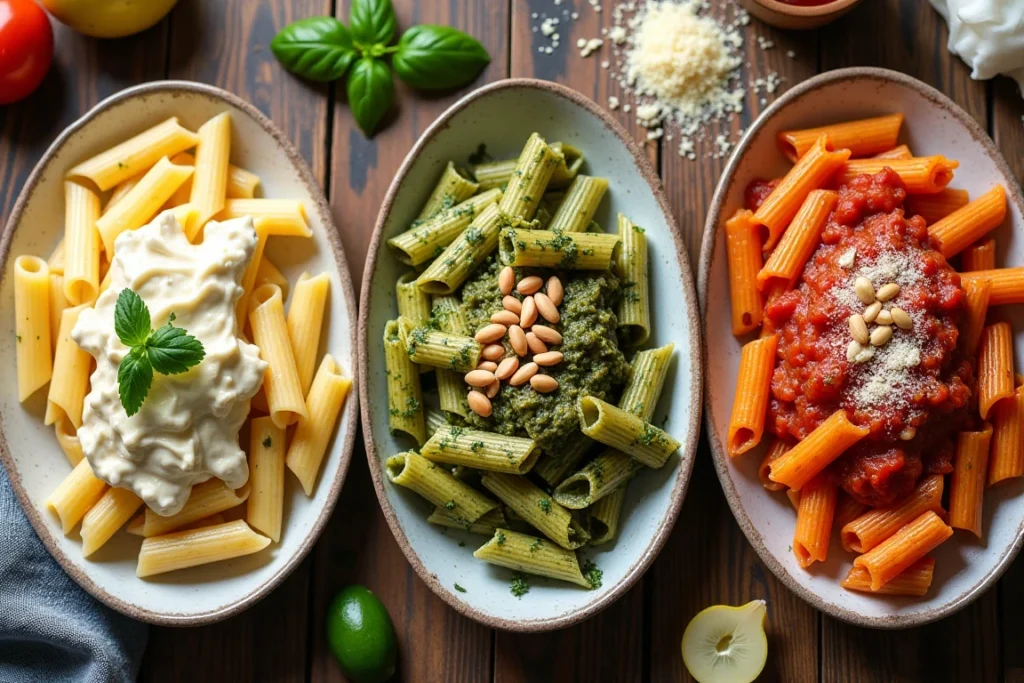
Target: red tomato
<point x="26" y="48"/>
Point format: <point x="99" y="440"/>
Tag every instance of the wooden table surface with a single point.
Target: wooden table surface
<point x="707" y="560"/>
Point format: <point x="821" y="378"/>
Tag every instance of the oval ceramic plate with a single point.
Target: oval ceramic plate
<point x="934" y="125"/>
<point x="34" y="461"/>
<point x="503" y="115"/>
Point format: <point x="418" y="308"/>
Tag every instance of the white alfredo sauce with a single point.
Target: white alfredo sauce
<point x="187" y="429"/>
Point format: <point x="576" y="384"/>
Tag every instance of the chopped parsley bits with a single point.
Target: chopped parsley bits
<point x="268" y="442"/>
<point x="450" y="505"/>
<point x="459" y="588"/>
<point x="535" y="546"/>
<point x="500" y="536"/>
<point x="519" y="586"/>
<point x="593" y="575"/>
<point x="545" y="505"/>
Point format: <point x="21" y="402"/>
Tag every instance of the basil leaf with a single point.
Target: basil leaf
<point x="134" y="378"/>
<point x="370" y="93"/>
<point x="438" y="57"/>
<point x="317" y="48"/>
<point x="131" y="318"/>
<point x="373" y="22"/>
<point x="173" y="351"/>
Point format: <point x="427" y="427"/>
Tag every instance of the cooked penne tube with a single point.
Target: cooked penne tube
<point x="67" y="437"/>
<point x="251" y="271"/>
<point x="1007" y="284"/>
<point x="451" y="386"/>
<point x="58" y="303"/>
<point x="920" y="175"/>
<point x="428" y="239"/>
<point x="568" y="167"/>
<point x="863" y="137"/>
<point x="536" y="164"/>
<point x="242" y="184"/>
<point x="579" y="205"/>
<point x="604" y="517"/>
<point x="914" y="580"/>
<point x="823" y="445"/>
<point x="898" y="152"/>
<point x="413" y="303"/>
<point x="937" y="205"/>
<point x="183" y="549"/>
<point x="570" y="251"/>
<point x="323" y="405"/>
<point x="532" y="555"/>
<point x="210" y="183"/>
<point x="847" y="510"/>
<point x="970" y="223"/>
<point x="439" y="349"/>
<point x="967" y="483"/>
<point x="270" y="333"/>
<point x="649" y="368"/>
<point x="814" y="521"/>
<point x="453" y="188"/>
<point x="979" y="256"/>
<point x="485" y="525"/>
<point x="753" y="389"/>
<point x="874" y="526"/>
<point x="537" y="508"/>
<point x="32" y="324"/>
<point x="305" y="320"/>
<point x="268" y="274"/>
<point x="494" y="174"/>
<point x="405" y="398"/>
<point x="481" y="450"/>
<point x="56" y="260"/>
<point x="554" y="465"/>
<point x="76" y="495"/>
<point x="631" y="266"/>
<point x="497" y="173"/>
<point x="799" y="241"/>
<point x="282" y="217"/>
<point x="602" y="476"/>
<point x="109" y="514"/>
<point x="977" y="294"/>
<point x="81" y="244"/>
<point x="135" y="155"/>
<point x="208" y="498"/>
<point x="624" y="431"/>
<point x="794" y="498"/>
<point x="265" y="507"/>
<point x="137" y="524"/>
<point x="743" y="249"/>
<point x="776" y="450"/>
<point x="72" y="365"/>
<point x="995" y="366"/>
<point x="1007" y="459"/>
<point x="908" y="545"/>
<point x="438" y="486"/>
<point x="449" y="270"/>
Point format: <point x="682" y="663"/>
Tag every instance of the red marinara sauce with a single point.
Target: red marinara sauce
<point x="913" y="391"/>
<point x="757" y="191"/>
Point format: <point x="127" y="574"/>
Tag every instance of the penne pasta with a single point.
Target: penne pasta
<point x="937" y="205"/>
<point x="481" y="450"/>
<point x="242" y="184"/>
<point x="323" y="405"/>
<point x="270" y="333"/>
<point x="439" y="349"/>
<point x="138" y="523"/>
<point x="56" y="260"/>
<point x="58" y="302"/>
<point x="967" y="483"/>
<point x="624" y="431"/>
<point x="529" y="248"/>
<point x="67" y="437"/>
<point x="452" y="188"/>
<point x="914" y="580"/>
<point x="451" y="387"/>
<point x="537" y="508"/>
<point x="413" y="303"/>
<point x="536" y="164"/>
<point x="1006" y="284"/>
<point x="863" y="137"/>
<point x="268" y="274"/>
<point x="109" y="514"/>
<point x="305" y="320"/>
<point x="210" y="182"/>
<point x="486" y="525"/>
<point x="79" y="491"/>
<point x="405" y="398"/>
<point x="208" y="498"/>
<point x="451" y="268"/>
<point x="847" y="510"/>
<point x="1007" y="458"/>
<point x="81" y="244"/>
<point x="265" y="507"/>
<point x="753" y="385"/>
<point x="553" y="466"/>
<point x="459" y="500"/>
<point x="32" y="324"/>
<point x="799" y="241"/>
<point x="249" y="277"/>
<point x="743" y="247"/>
<point x="970" y="223"/>
<point x="897" y="152"/>
<point x="568" y="167"/>
<point x="649" y="368"/>
<point x="776" y="450"/>
<point x="282" y="217"/>
<point x="183" y="549"/>
<point x="823" y="445"/>
<point x="995" y="366"/>
<point x="603" y="475"/>
<point x="870" y="529"/>
<point x="72" y="365"/>
<point x="920" y="175"/>
<point x="977" y="293"/>
<point x="604" y="517"/>
<point x="979" y="256"/>
<point x="631" y="266"/>
<point x="428" y="239"/>
<point x="814" y="521"/>
<point x="908" y="545"/>
<point x="579" y="205"/>
<point x="532" y="555"/>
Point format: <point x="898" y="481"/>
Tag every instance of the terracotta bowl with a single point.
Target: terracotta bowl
<point x="800" y="17"/>
<point x="503" y="115"/>
<point x="29" y="451"/>
<point x="934" y="125"/>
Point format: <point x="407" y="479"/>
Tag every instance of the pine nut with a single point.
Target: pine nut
<point x="535" y="344"/>
<point x="505" y="318"/>
<point x="488" y="365"/>
<point x="908" y="433"/>
<point x="884" y="317"/>
<point x="512" y="304"/>
<point x="529" y="285"/>
<point x="886" y="292"/>
<point x="880" y="335"/>
<point x="506" y="280"/>
<point x="859" y="329"/>
<point x="523" y="374"/>
<point x="547" y="334"/>
<point x="871" y="312"/>
<point x="507" y="368"/>
<point x="493" y="388"/>
<point x="517" y="338"/>
<point x="490" y="333"/>
<point x="864" y="290"/>
<point x="479" y="404"/>
<point x="493" y="352"/>
<point x="543" y="384"/>
<point x="479" y="378"/>
<point x="546" y="307"/>
<point x="548" y="358"/>
<point x="529" y="315"/>
<point x="899" y="316"/>
<point x="555" y="290"/>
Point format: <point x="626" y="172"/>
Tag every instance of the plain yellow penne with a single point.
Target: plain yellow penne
<point x="270" y="333"/>
<point x="242" y="184"/>
<point x="210" y="181"/>
<point x="207" y="499"/>
<point x="251" y="271"/>
<point x="56" y="260"/>
<point x="58" y="302"/>
<point x="67" y="437"/>
<point x="305" y="318"/>
<point x="184" y="549"/>
<point x="135" y="155"/>
<point x="72" y="365"/>
<point x="285" y="217"/>
<point x="142" y="202"/>
<point x="268" y="274"/>
<point x="122" y="190"/>
<point x="76" y="495"/>
<point x="265" y="507"/>
<point x="137" y="524"/>
<point x="108" y="515"/>
<point x="32" y="324"/>
<point x="323" y="405"/>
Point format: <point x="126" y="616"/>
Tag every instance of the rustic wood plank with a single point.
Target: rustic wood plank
<point x="708" y="560"/>
<point x="227" y="44"/>
<point x="911" y="37"/>
<point x="435" y="642"/>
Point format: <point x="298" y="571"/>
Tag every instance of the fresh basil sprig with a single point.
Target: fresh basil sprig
<point x="426" y="57"/>
<point x="169" y="350"/>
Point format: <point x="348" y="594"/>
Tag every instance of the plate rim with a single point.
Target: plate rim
<point x="168" y="618"/>
<point x="707" y="251"/>
<point x="689" y="451"/>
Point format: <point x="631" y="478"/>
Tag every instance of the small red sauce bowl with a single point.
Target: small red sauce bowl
<point x="797" y="16"/>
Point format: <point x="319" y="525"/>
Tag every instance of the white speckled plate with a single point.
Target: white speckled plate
<point x="503" y="115"/>
<point x="934" y="125"/>
<point x="29" y="450"/>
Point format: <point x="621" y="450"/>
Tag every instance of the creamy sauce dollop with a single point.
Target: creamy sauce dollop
<point x="187" y="429"/>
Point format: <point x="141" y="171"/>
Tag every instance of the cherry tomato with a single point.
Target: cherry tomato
<point x="26" y="48"/>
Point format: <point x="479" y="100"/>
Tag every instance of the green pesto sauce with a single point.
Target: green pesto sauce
<point x="593" y="364"/>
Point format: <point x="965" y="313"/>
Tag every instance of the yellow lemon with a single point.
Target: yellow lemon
<point x="726" y="644"/>
<point x="109" y="18"/>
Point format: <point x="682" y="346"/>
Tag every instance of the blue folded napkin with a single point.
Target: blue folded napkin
<point x="50" y="629"/>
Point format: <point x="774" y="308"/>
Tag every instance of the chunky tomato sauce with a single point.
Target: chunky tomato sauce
<point x="757" y="191"/>
<point x="914" y="390"/>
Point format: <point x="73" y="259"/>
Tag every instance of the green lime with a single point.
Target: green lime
<point x="361" y="635"/>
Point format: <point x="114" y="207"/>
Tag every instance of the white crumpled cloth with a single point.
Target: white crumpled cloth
<point x="987" y="34"/>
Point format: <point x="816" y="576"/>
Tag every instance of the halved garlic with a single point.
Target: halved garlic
<point x="725" y="644"/>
